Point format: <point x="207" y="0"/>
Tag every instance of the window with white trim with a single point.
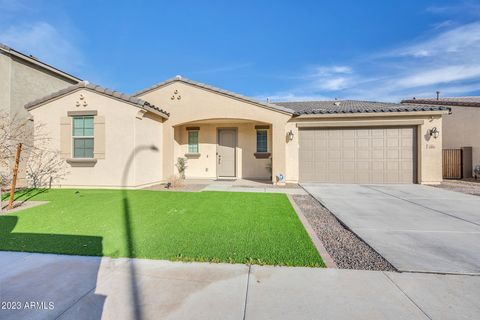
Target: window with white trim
<point x="82" y="135"/>
<point x="262" y="140"/>
<point x="192" y="141"/>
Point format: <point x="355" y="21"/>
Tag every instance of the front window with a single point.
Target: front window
<point x="192" y="141"/>
<point x="262" y="142"/>
<point x="83" y="137"/>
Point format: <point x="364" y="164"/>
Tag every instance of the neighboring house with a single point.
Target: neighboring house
<point x="24" y="78"/>
<point x="460" y="128"/>
<point x="110" y="139"/>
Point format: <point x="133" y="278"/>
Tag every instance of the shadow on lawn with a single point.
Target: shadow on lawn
<point x="21" y="196"/>
<point x="37" y="284"/>
<point x="135" y="292"/>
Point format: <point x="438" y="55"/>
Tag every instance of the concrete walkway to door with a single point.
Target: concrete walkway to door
<point x="416" y="228"/>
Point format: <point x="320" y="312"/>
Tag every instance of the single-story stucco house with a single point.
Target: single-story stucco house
<point x="110" y="139"/>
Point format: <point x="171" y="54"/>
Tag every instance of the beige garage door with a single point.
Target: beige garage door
<point x="358" y="155"/>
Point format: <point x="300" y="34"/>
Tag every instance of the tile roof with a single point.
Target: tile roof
<point x="89" y="86"/>
<point x="353" y="106"/>
<point x="266" y="105"/>
<point x="472" y="101"/>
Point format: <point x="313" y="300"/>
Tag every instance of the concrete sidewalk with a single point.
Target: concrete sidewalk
<point x="103" y="288"/>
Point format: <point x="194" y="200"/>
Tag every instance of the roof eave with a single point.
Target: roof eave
<point x="233" y="95"/>
<point x="39" y="63"/>
<point x="441" y="103"/>
<point x="147" y="107"/>
<point x="370" y="114"/>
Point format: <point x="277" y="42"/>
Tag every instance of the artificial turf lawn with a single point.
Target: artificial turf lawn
<point x="259" y="228"/>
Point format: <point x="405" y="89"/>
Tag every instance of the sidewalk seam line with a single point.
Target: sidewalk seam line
<point x="406" y="295"/>
<point x="246" y="292"/>
<point x="84" y="295"/>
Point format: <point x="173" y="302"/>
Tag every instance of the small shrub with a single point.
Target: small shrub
<point x="181" y="166"/>
<point x="175" y="181"/>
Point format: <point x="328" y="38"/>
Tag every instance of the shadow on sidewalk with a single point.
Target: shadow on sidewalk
<point x="54" y="280"/>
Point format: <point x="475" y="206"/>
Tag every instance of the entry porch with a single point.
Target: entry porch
<point x="225" y="149"/>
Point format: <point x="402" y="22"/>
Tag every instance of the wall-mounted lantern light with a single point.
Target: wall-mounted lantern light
<point x="434" y="132"/>
<point x="290" y="135"/>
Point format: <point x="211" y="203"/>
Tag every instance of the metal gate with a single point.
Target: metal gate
<point x="452" y="163"/>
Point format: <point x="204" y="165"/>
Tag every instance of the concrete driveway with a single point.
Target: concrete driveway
<point x="416" y="228"/>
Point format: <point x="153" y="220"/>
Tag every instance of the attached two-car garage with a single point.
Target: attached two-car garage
<point x="358" y="155"/>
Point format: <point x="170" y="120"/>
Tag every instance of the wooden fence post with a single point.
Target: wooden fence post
<point x="15" y="174"/>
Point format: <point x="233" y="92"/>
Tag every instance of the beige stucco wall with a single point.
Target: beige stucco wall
<point x="128" y="137"/>
<point x="204" y="166"/>
<point x="461" y="129"/>
<point x="189" y="104"/>
<point x="429" y="149"/>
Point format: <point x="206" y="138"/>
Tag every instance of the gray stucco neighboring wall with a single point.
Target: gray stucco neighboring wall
<point x="29" y="82"/>
<point x="461" y="129"/>
<point x="5" y="83"/>
<point x="22" y="81"/>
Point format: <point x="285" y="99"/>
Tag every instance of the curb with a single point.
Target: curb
<point x="313" y="236"/>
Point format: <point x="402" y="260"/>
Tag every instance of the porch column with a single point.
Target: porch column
<point x="168" y="151"/>
<point x="278" y="152"/>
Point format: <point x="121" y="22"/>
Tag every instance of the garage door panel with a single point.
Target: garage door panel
<point x="358" y="155"/>
<point x="378" y="154"/>
<point x="348" y="154"/>
<point x="348" y="143"/>
<point x="378" y="142"/>
<point x="363" y="154"/>
<point x="363" y="142"/>
<point x="348" y="134"/>
<point x="393" y="154"/>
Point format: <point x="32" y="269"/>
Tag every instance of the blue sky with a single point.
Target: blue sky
<point x="282" y="50"/>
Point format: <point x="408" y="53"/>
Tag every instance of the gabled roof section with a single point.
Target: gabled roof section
<point x="34" y="60"/>
<point x="107" y="92"/>
<point x="354" y="106"/>
<point x="216" y="90"/>
<point x="472" y="101"/>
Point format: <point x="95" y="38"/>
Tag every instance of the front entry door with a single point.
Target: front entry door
<point x="227" y="143"/>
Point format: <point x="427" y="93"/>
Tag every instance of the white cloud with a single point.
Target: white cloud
<point x="290" y="96"/>
<point x="445" y="74"/>
<point x="45" y="42"/>
<point x="329" y="70"/>
<point x="461" y="40"/>
<point x="332" y="84"/>
<point x="448" y="61"/>
<point x="462" y="7"/>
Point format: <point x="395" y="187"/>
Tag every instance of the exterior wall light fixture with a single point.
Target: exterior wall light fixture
<point x="290" y="135"/>
<point x="434" y="132"/>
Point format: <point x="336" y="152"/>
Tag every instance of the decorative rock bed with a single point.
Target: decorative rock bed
<point x="347" y="250"/>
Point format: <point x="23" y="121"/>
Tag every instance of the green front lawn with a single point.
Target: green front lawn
<point x="256" y="228"/>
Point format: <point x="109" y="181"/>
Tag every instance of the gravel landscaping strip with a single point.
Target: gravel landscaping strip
<point x="464" y="186"/>
<point x="347" y="250"/>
